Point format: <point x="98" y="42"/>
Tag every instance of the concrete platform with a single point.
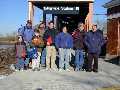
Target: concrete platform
<point x="108" y="75"/>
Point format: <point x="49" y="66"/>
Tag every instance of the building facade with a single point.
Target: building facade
<point x="113" y="27"/>
<point x="64" y="11"/>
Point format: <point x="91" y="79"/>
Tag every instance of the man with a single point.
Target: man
<point x="64" y="42"/>
<point x="27" y="32"/>
<point x="93" y="40"/>
<point x="78" y="36"/>
<point x="49" y="37"/>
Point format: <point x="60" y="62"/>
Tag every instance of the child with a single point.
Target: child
<point x="20" y="53"/>
<point x="38" y="43"/>
<point x="35" y="61"/>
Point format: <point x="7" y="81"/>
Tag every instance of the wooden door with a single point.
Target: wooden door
<point x="112" y="34"/>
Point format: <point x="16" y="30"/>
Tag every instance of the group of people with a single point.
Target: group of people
<point x="40" y="47"/>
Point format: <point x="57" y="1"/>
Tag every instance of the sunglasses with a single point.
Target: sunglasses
<point x="41" y="27"/>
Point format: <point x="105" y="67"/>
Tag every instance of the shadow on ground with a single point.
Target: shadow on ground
<point x="115" y="60"/>
<point x="39" y="89"/>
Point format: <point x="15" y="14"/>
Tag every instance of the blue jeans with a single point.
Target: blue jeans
<point x="27" y="61"/>
<point x="43" y="57"/>
<point x="64" y="58"/>
<point x="20" y="63"/>
<point x="79" y="58"/>
<point x="29" y="55"/>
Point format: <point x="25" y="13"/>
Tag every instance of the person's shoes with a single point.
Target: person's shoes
<point x="33" y="69"/>
<point x="68" y="70"/>
<point x="76" y="69"/>
<point x="43" y="68"/>
<point x="81" y="69"/>
<point x="38" y="69"/>
<point x="47" y="69"/>
<point x="25" y="67"/>
<point x="42" y="65"/>
<point x="53" y="69"/>
<point x="21" y="69"/>
<point x="96" y="71"/>
<point x="89" y="70"/>
<point x="16" y="70"/>
<point x="60" y="70"/>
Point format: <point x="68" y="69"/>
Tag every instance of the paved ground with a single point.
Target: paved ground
<point x="108" y="75"/>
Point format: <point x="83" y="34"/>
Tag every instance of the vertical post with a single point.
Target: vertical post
<point x="90" y="16"/>
<point x="55" y="22"/>
<point x="119" y="41"/>
<point x="87" y="23"/>
<point x="58" y="22"/>
<point x="52" y="17"/>
<point x="30" y="11"/>
<point x="44" y="18"/>
<point x="118" y="37"/>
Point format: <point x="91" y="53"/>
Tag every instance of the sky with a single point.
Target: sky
<point x="15" y="12"/>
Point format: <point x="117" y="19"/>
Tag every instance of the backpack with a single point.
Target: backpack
<point x="37" y="41"/>
<point x="21" y="31"/>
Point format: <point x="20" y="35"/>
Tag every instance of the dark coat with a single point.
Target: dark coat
<point x="94" y="41"/>
<point x="50" y="33"/>
<point x="78" y="39"/>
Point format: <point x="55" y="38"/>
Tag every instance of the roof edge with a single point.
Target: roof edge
<point x="61" y="0"/>
<point x="111" y="4"/>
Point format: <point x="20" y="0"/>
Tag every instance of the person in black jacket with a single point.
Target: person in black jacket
<point x="49" y="37"/>
<point x="78" y="37"/>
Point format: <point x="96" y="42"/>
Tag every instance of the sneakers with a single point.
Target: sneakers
<point x="21" y="69"/>
<point x="96" y="71"/>
<point x="33" y="69"/>
<point x="16" y="70"/>
<point x="77" y="69"/>
<point x="60" y="70"/>
<point x="42" y="67"/>
<point x="47" y="69"/>
<point x="89" y="70"/>
<point x="54" y="69"/>
<point x="68" y="70"/>
<point x="38" y="69"/>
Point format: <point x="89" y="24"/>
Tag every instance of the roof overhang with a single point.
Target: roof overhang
<point x="112" y="3"/>
<point x="42" y="3"/>
<point x="63" y="0"/>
